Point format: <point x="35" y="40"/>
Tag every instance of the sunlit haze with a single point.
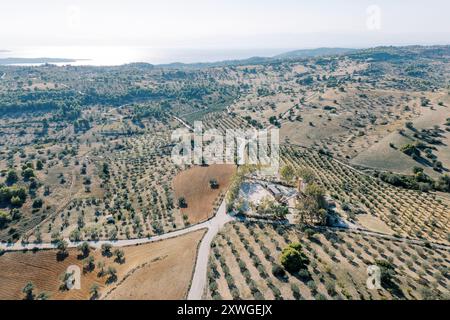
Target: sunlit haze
<point x="257" y="27"/>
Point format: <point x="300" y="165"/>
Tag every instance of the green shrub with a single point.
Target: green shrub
<point x="293" y="260"/>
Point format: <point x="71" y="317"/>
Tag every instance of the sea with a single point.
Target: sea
<point x="118" y="55"/>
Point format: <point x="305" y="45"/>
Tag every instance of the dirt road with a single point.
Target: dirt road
<point x="200" y="273"/>
<point x="97" y="244"/>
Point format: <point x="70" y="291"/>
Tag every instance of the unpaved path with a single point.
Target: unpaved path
<point x="183" y="123"/>
<point x="198" y="283"/>
<point x="97" y="244"/>
<point x="357" y="229"/>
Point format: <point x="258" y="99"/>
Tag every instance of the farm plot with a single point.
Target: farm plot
<point x="406" y="212"/>
<point x="202" y="198"/>
<point x="223" y="121"/>
<point x="160" y="270"/>
<point x="136" y="201"/>
<point x="245" y="264"/>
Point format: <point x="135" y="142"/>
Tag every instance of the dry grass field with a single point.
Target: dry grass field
<point x="194" y="185"/>
<point x="165" y="274"/>
<point x="157" y="270"/>
<point x="382" y="156"/>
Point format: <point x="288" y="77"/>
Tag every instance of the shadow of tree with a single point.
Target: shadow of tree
<point x="61" y="256"/>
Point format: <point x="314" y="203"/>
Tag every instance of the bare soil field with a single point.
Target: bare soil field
<point x="44" y="271"/>
<point x="147" y="269"/>
<point x="194" y="185"/>
<point x="166" y="273"/>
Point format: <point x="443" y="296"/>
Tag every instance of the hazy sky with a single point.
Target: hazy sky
<point x="223" y="23"/>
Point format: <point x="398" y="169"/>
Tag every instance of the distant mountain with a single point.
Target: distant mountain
<point x="309" y="53"/>
<point x="6" y="61"/>
<point x="297" y="54"/>
<point x="138" y="65"/>
<point x="390" y="53"/>
<point x="252" y="60"/>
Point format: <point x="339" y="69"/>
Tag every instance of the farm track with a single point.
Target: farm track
<point x="183" y="123"/>
<point x="117" y="243"/>
<point x="199" y="279"/>
<point x="361" y="231"/>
